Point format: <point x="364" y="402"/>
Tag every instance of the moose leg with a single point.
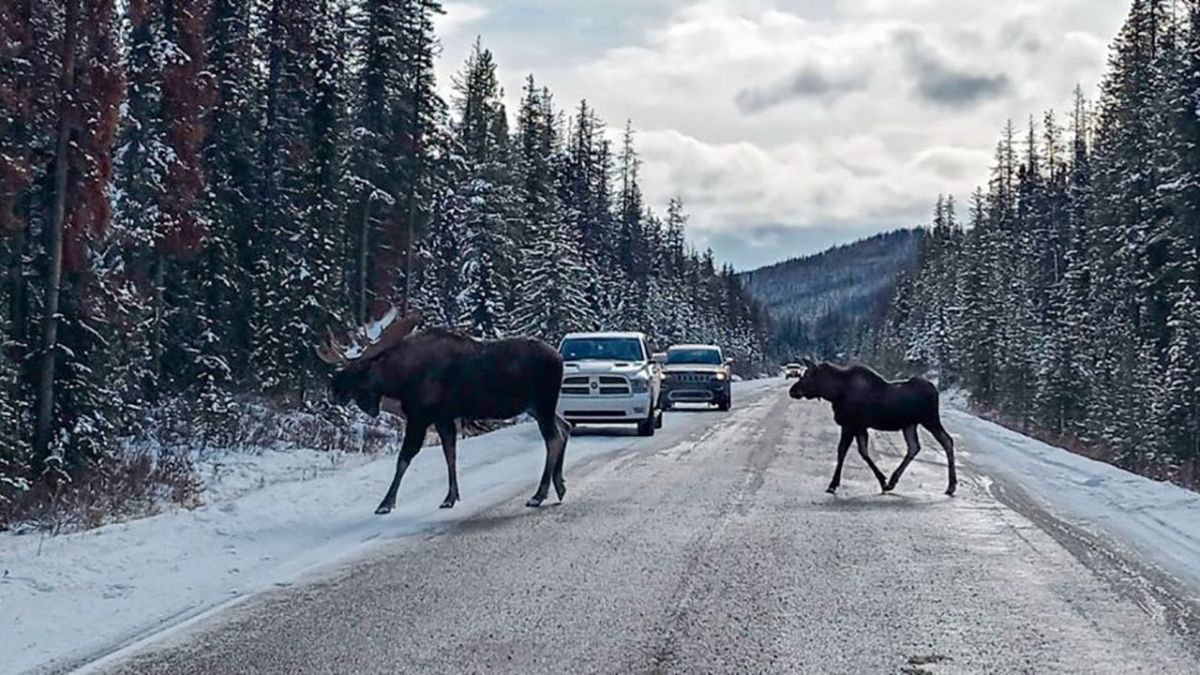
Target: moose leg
<point x="564" y="432"/>
<point x="555" y="444"/>
<point x="843" y="447"/>
<point x="414" y="437"/>
<point x="914" y="446"/>
<point x="862" y="450"/>
<point x="448" y="432"/>
<point x="947" y="443"/>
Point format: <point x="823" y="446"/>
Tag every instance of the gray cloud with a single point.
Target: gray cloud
<point x="822" y="158"/>
<point x="807" y="82"/>
<point x="1022" y="33"/>
<point x="958" y="89"/>
<point x="940" y="83"/>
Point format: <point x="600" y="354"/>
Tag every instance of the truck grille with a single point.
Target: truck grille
<point x="576" y="386"/>
<point x="596" y="385"/>
<point x="611" y="385"/>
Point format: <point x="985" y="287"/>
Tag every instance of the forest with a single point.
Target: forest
<point x="193" y="191"/>
<point x="1067" y="304"/>
<point x="828" y="305"/>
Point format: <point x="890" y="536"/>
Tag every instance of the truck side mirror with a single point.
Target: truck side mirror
<point x="660" y="358"/>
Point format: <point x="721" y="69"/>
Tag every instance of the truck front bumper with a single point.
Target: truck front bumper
<point x="606" y="409"/>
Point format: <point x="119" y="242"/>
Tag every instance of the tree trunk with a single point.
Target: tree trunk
<point x="412" y="197"/>
<point x="45" y="387"/>
<point x="18" y="332"/>
<point x="364" y="239"/>
<point x="156" y="341"/>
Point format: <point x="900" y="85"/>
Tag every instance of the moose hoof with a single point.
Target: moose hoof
<point x="448" y="504"/>
<point x="535" y="502"/>
<point x="561" y="490"/>
<point x="832" y="489"/>
<point x="383" y="510"/>
<point x="950" y="490"/>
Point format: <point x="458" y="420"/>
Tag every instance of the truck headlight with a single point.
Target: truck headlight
<point x="639" y="386"/>
<point x="720" y="377"/>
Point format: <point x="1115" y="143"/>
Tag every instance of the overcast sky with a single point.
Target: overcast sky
<point x="790" y="125"/>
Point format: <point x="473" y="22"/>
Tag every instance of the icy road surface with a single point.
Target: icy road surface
<point x="710" y="548"/>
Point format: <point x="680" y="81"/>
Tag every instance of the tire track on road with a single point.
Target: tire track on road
<point x="696" y="583"/>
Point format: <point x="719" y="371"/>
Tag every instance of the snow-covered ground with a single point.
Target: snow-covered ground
<point x="267" y="519"/>
<point x="1160" y="521"/>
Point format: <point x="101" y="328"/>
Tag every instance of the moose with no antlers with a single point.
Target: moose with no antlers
<point x="440" y="377"/>
<point x="863" y="400"/>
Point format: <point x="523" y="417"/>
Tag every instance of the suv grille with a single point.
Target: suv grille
<point x="692" y="378"/>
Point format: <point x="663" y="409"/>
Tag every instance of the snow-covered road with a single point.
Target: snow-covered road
<point x="1158" y="521"/>
<point x="708" y="545"/>
<point x="66" y="599"/>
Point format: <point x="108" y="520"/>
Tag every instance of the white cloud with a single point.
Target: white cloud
<point x="814" y="113"/>
<point x="459" y="16"/>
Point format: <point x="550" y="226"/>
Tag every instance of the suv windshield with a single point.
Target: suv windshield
<point x="708" y="357"/>
<point x="602" y="349"/>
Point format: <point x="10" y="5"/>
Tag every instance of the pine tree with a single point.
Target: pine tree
<point x="231" y="156"/>
<point x="29" y="122"/>
<point x="1182" y="415"/>
<point x="631" y="254"/>
<point x="552" y="301"/>
<point x="485" y="191"/>
<point x="72" y="427"/>
<point x="393" y="173"/>
<point x="161" y="177"/>
<point x="297" y="272"/>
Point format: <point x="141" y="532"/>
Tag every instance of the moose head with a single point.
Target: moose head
<point x="360" y="376"/>
<point x="814" y="383"/>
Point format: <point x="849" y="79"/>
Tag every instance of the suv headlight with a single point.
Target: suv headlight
<point x="720" y="377"/>
<point x="639" y="386"/>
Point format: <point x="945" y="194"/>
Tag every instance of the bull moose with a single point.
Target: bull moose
<point x="440" y="377"/>
<point x="863" y="400"/>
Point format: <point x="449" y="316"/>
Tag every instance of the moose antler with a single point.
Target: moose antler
<point x="368" y="341"/>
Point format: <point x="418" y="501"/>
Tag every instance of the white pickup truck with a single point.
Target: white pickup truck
<point x="610" y="378"/>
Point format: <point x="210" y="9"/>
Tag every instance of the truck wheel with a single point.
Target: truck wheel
<point x="658" y="420"/>
<point x="725" y="405"/>
<point x="646" y="426"/>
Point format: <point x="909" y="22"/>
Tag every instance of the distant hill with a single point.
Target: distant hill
<point x="824" y="304"/>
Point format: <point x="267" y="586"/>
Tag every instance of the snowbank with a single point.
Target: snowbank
<point x="1158" y="520"/>
<point x="268" y="519"/>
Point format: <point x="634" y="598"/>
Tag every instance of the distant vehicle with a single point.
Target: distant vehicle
<point x="696" y="374"/>
<point x="610" y="378"/>
<point x="793" y="370"/>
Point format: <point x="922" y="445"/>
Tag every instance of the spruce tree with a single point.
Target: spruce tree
<point x="551" y="298"/>
<point x="231" y="154"/>
<point x="485" y="190"/>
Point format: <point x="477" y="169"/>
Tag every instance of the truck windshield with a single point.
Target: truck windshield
<point x="708" y="357"/>
<point x="602" y="349"/>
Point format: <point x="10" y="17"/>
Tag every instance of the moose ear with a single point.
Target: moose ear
<point x="409" y="323"/>
<point x="807" y="362"/>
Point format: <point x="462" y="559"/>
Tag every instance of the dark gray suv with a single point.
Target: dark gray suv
<point x="696" y="374"/>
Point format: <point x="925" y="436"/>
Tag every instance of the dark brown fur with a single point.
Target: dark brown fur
<point x="440" y="377"/>
<point x="863" y="400"/>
